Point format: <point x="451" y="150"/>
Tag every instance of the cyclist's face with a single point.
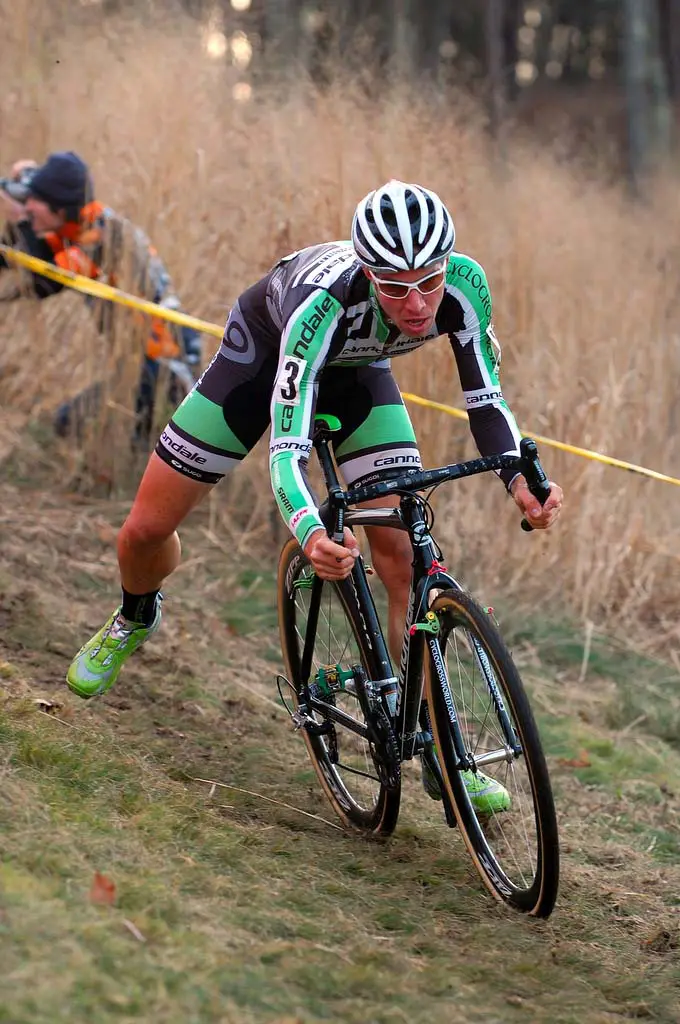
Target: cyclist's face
<point x="414" y="312"/>
<point x="42" y="217"/>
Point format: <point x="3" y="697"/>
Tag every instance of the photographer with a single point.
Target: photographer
<point x="50" y="212"/>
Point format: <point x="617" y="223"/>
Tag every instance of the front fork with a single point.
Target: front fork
<point x="465" y="758"/>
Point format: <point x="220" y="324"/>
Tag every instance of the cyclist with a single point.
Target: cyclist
<point x="317" y="333"/>
<point x="51" y="213"/>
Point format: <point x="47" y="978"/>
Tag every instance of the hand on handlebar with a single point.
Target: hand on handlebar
<point x="540" y="518"/>
<point x="329" y="560"/>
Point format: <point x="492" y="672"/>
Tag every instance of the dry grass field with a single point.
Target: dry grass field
<point x="246" y="903"/>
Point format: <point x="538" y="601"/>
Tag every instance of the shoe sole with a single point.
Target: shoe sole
<point x="74" y="688"/>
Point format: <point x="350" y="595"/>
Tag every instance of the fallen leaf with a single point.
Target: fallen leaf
<point x="662" y="941"/>
<point x="105" y="532"/>
<point x="102" y="890"/>
<point x="582" y="761"/>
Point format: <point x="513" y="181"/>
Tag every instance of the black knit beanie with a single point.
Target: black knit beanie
<point x="64" y="182"/>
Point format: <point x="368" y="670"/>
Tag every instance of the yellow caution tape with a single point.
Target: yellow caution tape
<point x="584" y="452"/>
<point x="99" y="290"/>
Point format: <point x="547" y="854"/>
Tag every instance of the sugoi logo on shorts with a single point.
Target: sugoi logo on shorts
<point x="298" y="517"/>
<point x="181" y="449"/>
<point x="181" y="467"/>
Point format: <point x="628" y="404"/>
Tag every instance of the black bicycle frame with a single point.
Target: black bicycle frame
<point x="428" y="574"/>
<point x="363" y="598"/>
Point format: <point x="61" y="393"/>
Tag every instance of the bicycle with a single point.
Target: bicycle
<point x="457" y="700"/>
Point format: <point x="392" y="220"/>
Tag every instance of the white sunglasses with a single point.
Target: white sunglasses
<point x="401" y="289"/>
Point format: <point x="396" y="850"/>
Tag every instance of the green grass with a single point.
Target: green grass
<point x="646" y="688"/>
<point x="241" y="902"/>
<point x="251" y="610"/>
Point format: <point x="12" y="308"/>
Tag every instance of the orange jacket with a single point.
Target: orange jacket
<point x="81" y="248"/>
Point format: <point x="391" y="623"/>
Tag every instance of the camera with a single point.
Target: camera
<point x="18" y="188"/>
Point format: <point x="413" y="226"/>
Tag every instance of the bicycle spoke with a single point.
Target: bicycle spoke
<point x="515" y="841"/>
<point x="336" y="645"/>
<point x="504" y="805"/>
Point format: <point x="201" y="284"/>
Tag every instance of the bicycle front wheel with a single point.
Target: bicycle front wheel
<point x="512" y="838"/>
<point x="344" y="760"/>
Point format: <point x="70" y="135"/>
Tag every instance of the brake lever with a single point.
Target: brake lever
<point x="534" y="474"/>
<point x="336" y="504"/>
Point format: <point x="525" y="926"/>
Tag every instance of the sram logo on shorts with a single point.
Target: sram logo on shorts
<point x="181" y="449"/>
<point x="298" y="517"/>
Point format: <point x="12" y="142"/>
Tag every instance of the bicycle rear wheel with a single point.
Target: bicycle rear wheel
<point x="344" y="761"/>
<point x="516" y="849"/>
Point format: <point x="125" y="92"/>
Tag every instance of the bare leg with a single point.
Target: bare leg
<point x="392" y="557"/>
<point x="148" y="545"/>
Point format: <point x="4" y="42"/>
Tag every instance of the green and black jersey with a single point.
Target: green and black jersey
<point x="311" y="336"/>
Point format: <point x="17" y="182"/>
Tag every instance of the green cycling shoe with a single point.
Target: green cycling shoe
<point x="487" y="796"/>
<point x="95" y="667"/>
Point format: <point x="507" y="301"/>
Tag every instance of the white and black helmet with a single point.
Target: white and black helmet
<point x="402" y="227"/>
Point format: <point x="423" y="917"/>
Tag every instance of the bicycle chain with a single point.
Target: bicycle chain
<point x="383" y="747"/>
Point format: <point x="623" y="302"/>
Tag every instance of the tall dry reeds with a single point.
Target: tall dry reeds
<point x="584" y="284"/>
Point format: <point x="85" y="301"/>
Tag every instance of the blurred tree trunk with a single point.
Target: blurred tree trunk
<point x="281" y="30"/>
<point x="669" y="22"/>
<point x="433" y="30"/>
<point x="373" y="23"/>
<point x="635" y="71"/>
<point x="673" y="39"/>
<point x="514" y="16"/>
<point x="495" y="63"/>
<point x="502" y="21"/>
<point x="648" y="107"/>
<point x="660" y="97"/>
<point x="405" y="43"/>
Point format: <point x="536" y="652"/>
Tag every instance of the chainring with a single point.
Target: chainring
<point x="383" y="746"/>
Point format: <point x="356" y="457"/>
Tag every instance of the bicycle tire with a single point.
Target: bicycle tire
<point x="526" y="777"/>
<point x="380" y="817"/>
